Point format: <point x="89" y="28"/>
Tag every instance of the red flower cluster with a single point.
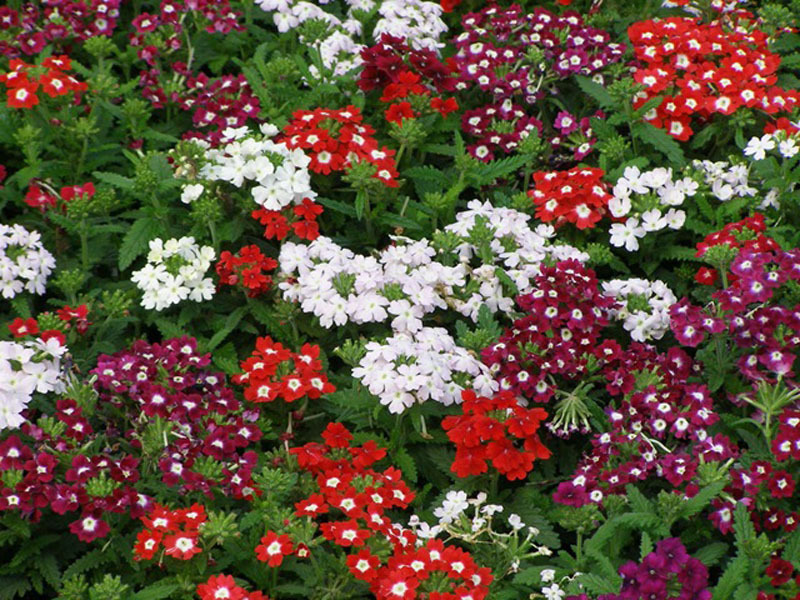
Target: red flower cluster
<point x="273" y="548"/>
<point x="361" y="496"/>
<point x="176" y="530"/>
<point x="747" y="234"/>
<point x="247" y="269"/>
<point x="224" y="586"/>
<point x="301" y="220"/>
<point x="20" y="327"/>
<point x="575" y="196"/>
<point x="24" y="81"/>
<point x="489" y="430"/>
<point x="335" y="139"/>
<point x="274" y="372"/>
<point x="705" y="68"/>
<point x="42" y="199"/>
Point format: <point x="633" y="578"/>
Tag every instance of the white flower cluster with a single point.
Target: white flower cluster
<point x="636" y="294"/>
<point x="280" y="175"/>
<point x="648" y="200"/>
<point x="411" y="368"/>
<point x="339" y="286"/>
<point x="175" y="271"/>
<point x="339" y="52"/>
<point x="726" y="181"/>
<point x="27" y="367"/>
<point x="25" y="264"/>
<point x="514" y="246"/>
<point x="786" y="145"/>
<point x="419" y="22"/>
<point x="480" y="526"/>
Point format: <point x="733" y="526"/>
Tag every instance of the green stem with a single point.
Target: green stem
<point x="84" y="246"/>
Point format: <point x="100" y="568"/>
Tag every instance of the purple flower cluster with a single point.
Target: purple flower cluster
<point x="492" y="50"/>
<point x="204" y="420"/>
<point x="37" y="24"/>
<point x="499" y="127"/>
<point x="668" y="572"/>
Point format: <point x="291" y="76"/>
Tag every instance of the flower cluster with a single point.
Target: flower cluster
<point x="725" y="180"/>
<point x="407" y="369"/>
<point x="642" y="306"/>
<point x="417" y="21"/>
<point x="24" y="81"/>
<point x="391" y="59"/>
<point x="356" y="497"/>
<point x="221" y="103"/>
<point x="44" y="200"/>
<point x="34" y="25"/>
<point x="704" y="69"/>
<point x="498" y="127"/>
<point x="273" y="372"/>
<point x="575" y="196"/>
<point x="495" y="51"/>
<point x="667" y="570"/>
<point x="659" y="429"/>
<point x="169" y="395"/>
<point x="25" y="264"/>
<point x="246" y="269"/>
<point x="490" y="430"/>
<point x="574" y="135"/>
<point x="177" y="531"/>
<point x="175" y="271"/>
<point x="337" y="139"/>
<point x="224" y="586"/>
<point x="745" y="235"/>
<point x="558" y="336"/>
<point x="27" y="367"/>
<point x="646" y="201"/>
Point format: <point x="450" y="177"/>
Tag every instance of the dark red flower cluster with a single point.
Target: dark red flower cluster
<point x="493" y="51"/>
<point x="170" y="383"/>
<point x="704" y="69"/>
<point x="24" y="80"/>
<point x="43" y="199"/>
<point x="660" y="429"/>
<point x="224" y="586"/>
<point x="274" y="372"/>
<point x="498" y="127"/>
<point x="335" y="139"/>
<point x="53" y="472"/>
<point x="300" y="219"/>
<point x="747" y="234"/>
<point x="355" y="498"/>
<point x="577" y="196"/>
<point x="491" y="429"/>
<point x="177" y="531"/>
<point x="385" y="63"/>
<point x="558" y="336"/>
<point x="20" y="327"/>
<point x="56" y="22"/>
<point x="247" y="269"/>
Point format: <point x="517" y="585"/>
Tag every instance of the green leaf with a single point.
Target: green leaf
<point x="596" y="91"/>
<point x="11" y="587"/>
<point x="341" y="207"/>
<point x="169" y="329"/>
<point x="230" y="324"/>
<point x="702" y="499"/>
<point x="157" y="591"/>
<point x="637" y="500"/>
<point x="645" y="546"/>
<point x="406" y="464"/>
<point x="488" y="173"/>
<point x="661" y="141"/>
<point x="596" y="584"/>
<point x="791" y="551"/>
<point x="709" y="555"/>
<point x="47" y="566"/>
<point x="114" y="179"/>
<point x="730" y="579"/>
<point x="137" y="239"/>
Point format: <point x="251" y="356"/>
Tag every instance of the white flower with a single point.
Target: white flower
<point x="757" y="147"/>
<point x="788" y="148"/>
<point x="453" y="505"/>
<point x="515" y="521"/>
<point x="547" y="575"/>
<point x="554" y="592"/>
<point x="627" y="234"/>
<point x="191" y="192"/>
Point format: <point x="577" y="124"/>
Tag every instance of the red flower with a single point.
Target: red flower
<point x="23" y="96"/>
<point x="444" y="107"/>
<point x="706" y="276"/>
<point x="779" y="571"/>
<point x="147" y="544"/>
<point x="337" y="436"/>
<point x="575" y="196"/>
<point x="89" y="527"/>
<point x="21" y="327"/>
<point x="363" y="565"/>
<point x="273" y="548"/>
<point x="221" y="586"/>
<point x="397" y="112"/>
<point x="182" y="546"/>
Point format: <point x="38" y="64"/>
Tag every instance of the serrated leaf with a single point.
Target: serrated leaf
<point x="156" y="591"/>
<point x="114" y="179"/>
<point x="405" y="463"/>
<point x="791" y="551"/>
<point x="645" y="546"/>
<point x="169" y="329"/>
<point x="661" y="141"/>
<point x="230" y="324"/>
<point x="596" y="91"/>
<point x="709" y="555"/>
<point x="596" y="584"/>
<point x="734" y="574"/>
<point x="488" y="173"/>
<point x="11" y="587"/>
<point x="137" y="239"/>
<point x="702" y="499"/>
<point x="637" y="500"/>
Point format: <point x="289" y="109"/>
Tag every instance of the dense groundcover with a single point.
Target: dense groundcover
<point x="401" y="300"/>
